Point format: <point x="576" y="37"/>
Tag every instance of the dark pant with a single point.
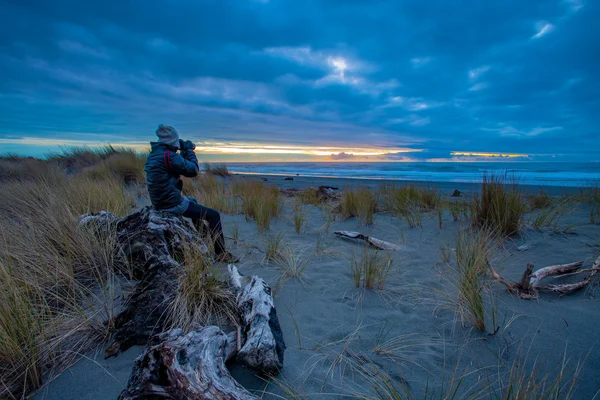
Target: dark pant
<point x="198" y="214"/>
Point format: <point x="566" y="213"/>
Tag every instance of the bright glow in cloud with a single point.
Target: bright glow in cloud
<point x="543" y="28"/>
<point x="225" y="149"/>
<point x="488" y="155"/>
<point x="241" y="148"/>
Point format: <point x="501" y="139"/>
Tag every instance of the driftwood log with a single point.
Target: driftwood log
<point x="530" y="283"/>
<point x="191" y="365"/>
<point x="188" y="366"/>
<point x="377" y="243"/>
<point x="264" y="345"/>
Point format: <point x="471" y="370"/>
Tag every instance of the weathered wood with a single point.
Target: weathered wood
<point x="188" y="366"/>
<point x="264" y="345"/>
<point x="530" y="283"/>
<point x="553" y="270"/>
<point x="151" y="241"/>
<point x="377" y="243"/>
<point x="192" y="365"/>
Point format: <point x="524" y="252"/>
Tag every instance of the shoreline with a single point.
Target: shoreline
<point x="303" y="182"/>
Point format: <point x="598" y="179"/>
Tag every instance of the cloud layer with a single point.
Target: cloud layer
<point x="506" y="77"/>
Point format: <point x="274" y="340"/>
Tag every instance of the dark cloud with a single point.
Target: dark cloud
<point x="497" y="76"/>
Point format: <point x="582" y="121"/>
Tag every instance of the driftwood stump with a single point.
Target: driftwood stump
<point x="179" y="365"/>
<point x="188" y="366"/>
<point x="530" y="283"/>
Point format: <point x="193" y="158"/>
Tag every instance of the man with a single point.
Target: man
<point x="163" y="168"/>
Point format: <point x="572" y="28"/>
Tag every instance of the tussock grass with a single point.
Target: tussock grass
<point x="529" y="378"/>
<point x="458" y="209"/>
<point x="402" y="200"/>
<point x="58" y="281"/>
<point x="214" y="193"/>
<point x="466" y="278"/>
<point x="298" y="215"/>
<point x="540" y="200"/>
<point x="550" y="216"/>
<point x="125" y="165"/>
<point x="56" y="293"/>
<point x="218" y="169"/>
<point x="204" y="298"/>
<point x="370" y="268"/>
<point x="309" y="196"/>
<point x="273" y="247"/>
<point x="15" y="168"/>
<point x="75" y="159"/>
<point x="292" y="263"/>
<point x="403" y="349"/>
<point x="259" y="201"/>
<point x="360" y="203"/>
<point x="499" y="206"/>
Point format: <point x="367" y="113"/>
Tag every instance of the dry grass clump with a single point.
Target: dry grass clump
<point x="214" y="193"/>
<point x="370" y="268"/>
<point x="58" y="281"/>
<point x="219" y="169"/>
<point x="125" y="165"/>
<point x="298" y="215"/>
<point x="15" y="168"/>
<point x="310" y="196"/>
<point x="259" y="201"/>
<point x="499" y="207"/>
<point x="467" y="278"/>
<point x="74" y="159"/>
<point x="402" y="200"/>
<point x="292" y="263"/>
<point x="592" y="197"/>
<point x="531" y="379"/>
<point x="56" y="295"/>
<point x="360" y="203"/>
<point x="550" y="215"/>
<point x="204" y="297"/>
<point x="273" y="247"/>
<point x="539" y="201"/>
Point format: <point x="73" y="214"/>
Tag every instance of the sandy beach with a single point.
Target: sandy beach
<point x="338" y="335"/>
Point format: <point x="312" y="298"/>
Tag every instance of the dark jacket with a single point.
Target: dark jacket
<point x="163" y="168"/>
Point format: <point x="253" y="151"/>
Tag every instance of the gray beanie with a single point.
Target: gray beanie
<point x="167" y="134"/>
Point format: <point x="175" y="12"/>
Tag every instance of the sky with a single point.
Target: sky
<point x="310" y="80"/>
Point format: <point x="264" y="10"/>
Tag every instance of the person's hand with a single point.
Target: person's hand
<point x="186" y="145"/>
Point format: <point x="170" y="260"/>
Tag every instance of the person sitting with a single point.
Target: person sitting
<point x="163" y="168"/>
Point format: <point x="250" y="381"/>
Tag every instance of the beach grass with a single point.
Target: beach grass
<point x="499" y="206"/>
<point x="214" y="193"/>
<point x="309" y="196"/>
<point x="298" y="215"/>
<point x="360" y="203"/>
<point x="258" y="201"/>
<point x="402" y="200"/>
<point x="204" y="297"/>
<point x="218" y="169"/>
<point x="370" y="268"/>
<point x="465" y="276"/>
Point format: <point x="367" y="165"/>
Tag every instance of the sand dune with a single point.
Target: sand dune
<point x="347" y="340"/>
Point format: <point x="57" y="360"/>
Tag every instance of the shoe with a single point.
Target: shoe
<point x="227" y="257"/>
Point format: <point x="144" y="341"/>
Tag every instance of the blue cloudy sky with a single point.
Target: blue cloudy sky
<point x="306" y="80"/>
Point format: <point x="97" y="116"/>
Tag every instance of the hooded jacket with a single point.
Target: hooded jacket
<point x="163" y="168"/>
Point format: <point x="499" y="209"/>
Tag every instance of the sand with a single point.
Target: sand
<point x="325" y="318"/>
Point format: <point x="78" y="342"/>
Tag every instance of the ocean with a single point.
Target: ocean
<point x="526" y="173"/>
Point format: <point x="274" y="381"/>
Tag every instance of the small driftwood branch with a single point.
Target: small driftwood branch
<point x="188" y="366"/>
<point x="377" y="243"/>
<point x="530" y="283"/>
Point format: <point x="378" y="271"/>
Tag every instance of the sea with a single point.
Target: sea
<point x="561" y="174"/>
